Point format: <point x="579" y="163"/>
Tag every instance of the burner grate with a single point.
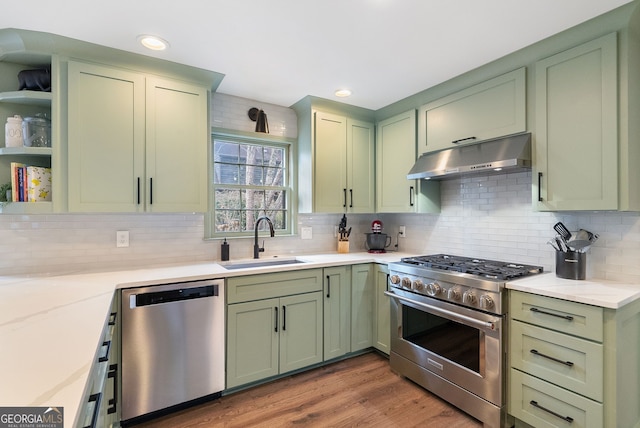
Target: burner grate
<point x="473" y="266"/>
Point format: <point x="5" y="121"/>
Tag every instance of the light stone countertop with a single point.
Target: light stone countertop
<point x="607" y="294"/>
<point x="50" y="326"/>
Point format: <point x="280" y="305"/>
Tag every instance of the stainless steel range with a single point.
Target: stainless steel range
<point x="447" y="332"/>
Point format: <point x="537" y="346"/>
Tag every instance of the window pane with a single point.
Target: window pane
<point x="273" y="156"/>
<point x="254" y="199"/>
<point x="252" y="175"/>
<point x="225" y="152"/>
<point x="251" y="155"/>
<point x="273" y="177"/>
<point x="228" y="221"/>
<point x="225" y="174"/>
<point x="274" y="199"/>
<point x="227" y="199"/>
<point x="278" y="218"/>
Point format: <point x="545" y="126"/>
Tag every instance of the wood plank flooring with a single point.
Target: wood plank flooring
<point x="359" y="392"/>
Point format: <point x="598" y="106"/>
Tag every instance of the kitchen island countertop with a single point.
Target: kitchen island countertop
<point x="50" y="325"/>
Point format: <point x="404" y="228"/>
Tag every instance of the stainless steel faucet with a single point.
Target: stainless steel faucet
<point x="256" y="248"/>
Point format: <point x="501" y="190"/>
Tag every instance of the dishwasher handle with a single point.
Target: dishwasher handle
<point x="176" y="295"/>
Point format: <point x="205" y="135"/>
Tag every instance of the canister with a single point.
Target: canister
<point x="571" y="264"/>
<point x="36" y="132"/>
<point x="13" y="132"/>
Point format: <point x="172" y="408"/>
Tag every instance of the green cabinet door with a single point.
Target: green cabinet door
<point x="253" y="341"/>
<point x="176" y="146"/>
<point x="360" y="167"/>
<point x="383" y="310"/>
<point x="489" y="109"/>
<point x="330" y="163"/>
<point x="362" y="306"/>
<point x="576" y="142"/>
<point x="395" y="155"/>
<point x="337" y="311"/>
<point x="300" y="331"/>
<point x="105" y="138"/>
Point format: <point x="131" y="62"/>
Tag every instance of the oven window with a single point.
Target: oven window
<point x="456" y="342"/>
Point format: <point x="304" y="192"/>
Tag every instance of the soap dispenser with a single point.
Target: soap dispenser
<point x="224" y="251"/>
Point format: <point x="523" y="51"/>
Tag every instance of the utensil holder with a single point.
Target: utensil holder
<point x="571" y="265"/>
<point x="343" y="247"/>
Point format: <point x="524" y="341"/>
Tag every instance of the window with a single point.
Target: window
<point x="250" y="179"/>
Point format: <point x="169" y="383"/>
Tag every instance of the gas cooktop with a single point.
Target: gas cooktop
<point x="484" y="268"/>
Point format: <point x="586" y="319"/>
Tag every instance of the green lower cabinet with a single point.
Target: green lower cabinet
<point x="273" y="336"/>
<point x="337" y="311"/>
<point x="382" y="334"/>
<point x="362" y="313"/>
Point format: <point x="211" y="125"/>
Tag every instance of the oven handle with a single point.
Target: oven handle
<point x="452" y="315"/>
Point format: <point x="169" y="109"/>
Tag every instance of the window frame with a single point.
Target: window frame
<point x="253" y="139"/>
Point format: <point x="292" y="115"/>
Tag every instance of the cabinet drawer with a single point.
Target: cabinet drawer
<point x="567" y="361"/>
<point x="568" y="317"/>
<point x="541" y="404"/>
<point x="270" y="285"/>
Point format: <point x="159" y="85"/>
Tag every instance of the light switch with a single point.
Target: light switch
<point x="306" y="233"/>
<point x="122" y="238"/>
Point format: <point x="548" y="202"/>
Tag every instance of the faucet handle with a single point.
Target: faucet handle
<point x="261" y="249"/>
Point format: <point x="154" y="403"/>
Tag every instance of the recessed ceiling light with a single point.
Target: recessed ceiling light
<point x="153" y="42"/>
<point x="342" y="93"/>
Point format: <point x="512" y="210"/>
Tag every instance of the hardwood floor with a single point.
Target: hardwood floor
<point x="361" y="391"/>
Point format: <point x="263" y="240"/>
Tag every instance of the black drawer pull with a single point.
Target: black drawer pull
<point x="551" y="412"/>
<point x="328" y="287"/>
<point x="276" y="323"/>
<point x="539" y="187"/>
<point x="566" y="363"/>
<point x="112" y="318"/>
<point x="105" y="357"/>
<point x="462" y="139"/>
<point x="113" y="402"/>
<point x="565" y="317"/>
<point x="95" y="399"/>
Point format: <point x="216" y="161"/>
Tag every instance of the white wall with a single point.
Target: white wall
<point x="489" y="217"/>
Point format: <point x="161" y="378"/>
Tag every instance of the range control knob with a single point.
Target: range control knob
<point x="433" y="288"/>
<point x="395" y="279"/>
<point x="406" y="282"/>
<point x="418" y="285"/>
<point x="454" y="294"/>
<point x="469" y="297"/>
<point x="486" y="302"/>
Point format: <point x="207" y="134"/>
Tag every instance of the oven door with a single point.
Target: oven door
<point x="463" y="346"/>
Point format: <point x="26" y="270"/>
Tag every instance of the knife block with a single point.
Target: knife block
<point x="343" y="247"/>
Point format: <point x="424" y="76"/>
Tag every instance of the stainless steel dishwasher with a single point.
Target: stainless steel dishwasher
<point x="172" y="345"/>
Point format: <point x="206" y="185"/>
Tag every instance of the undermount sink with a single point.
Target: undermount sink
<point x="261" y="263"/>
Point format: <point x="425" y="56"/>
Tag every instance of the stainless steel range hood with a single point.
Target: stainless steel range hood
<point x="504" y="154"/>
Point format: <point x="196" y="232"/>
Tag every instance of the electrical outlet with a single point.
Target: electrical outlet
<point x="402" y="232"/>
<point x="306" y="233"/>
<point x="122" y="238"/>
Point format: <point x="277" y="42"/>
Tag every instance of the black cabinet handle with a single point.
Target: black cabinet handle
<point x="566" y="363"/>
<point x="113" y="402"/>
<point x="411" y="196"/>
<point x="387" y="282"/>
<point x="462" y="139"/>
<point x="351" y="196"/>
<point x="328" y="287"/>
<point x="112" y="318"/>
<point x="105" y="357"/>
<point x="151" y="191"/>
<point x="138" y="190"/>
<point x="276" y="323"/>
<point x="551" y="412"/>
<point x="344" y="191"/>
<point x="539" y="187"/>
<point x="94" y="398"/>
<point x="284" y="318"/>
<point x="565" y="317"/>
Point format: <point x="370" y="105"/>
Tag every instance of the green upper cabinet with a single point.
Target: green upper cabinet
<point x="395" y="155"/>
<point x="490" y="109"/>
<point x="576" y="155"/>
<point x="343" y="164"/>
<point x="136" y="142"/>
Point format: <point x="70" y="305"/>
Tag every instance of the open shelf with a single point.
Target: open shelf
<point x="26" y="97"/>
<point x="26" y="207"/>
<point x="25" y="151"/>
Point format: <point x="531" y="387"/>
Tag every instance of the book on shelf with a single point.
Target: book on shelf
<point x="30" y="183"/>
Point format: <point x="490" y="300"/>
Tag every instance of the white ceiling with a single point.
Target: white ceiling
<point x="279" y="51"/>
